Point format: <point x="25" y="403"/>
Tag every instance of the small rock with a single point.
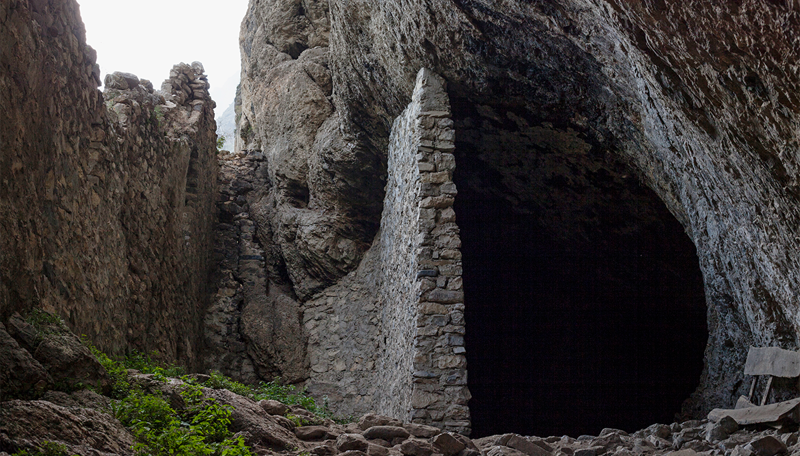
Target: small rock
<point x="324" y="450"/>
<point x="448" y="444"/>
<point x="592" y="451"/>
<point x="469" y="444"/>
<point x="274" y="407"/>
<point x="312" y="433"/>
<point x="346" y="442"/>
<point x="789" y="439"/>
<point x="699" y="445"/>
<point x="414" y="447"/>
<point x="285" y="423"/>
<point x="386" y="433"/>
<point x="377" y="450"/>
<point x="500" y="450"/>
<point x="607" y="431"/>
<point x="659" y="442"/>
<point x="683" y="453"/>
<point x="767" y="446"/>
<point x="469" y="452"/>
<point x="421" y="430"/>
<point x="353" y="453"/>
<point x="370" y="419"/>
<point x="661" y="431"/>
<point x="522" y="444"/>
<point x="722" y="429"/>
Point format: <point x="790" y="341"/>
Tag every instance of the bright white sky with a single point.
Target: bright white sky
<point x="148" y="37"/>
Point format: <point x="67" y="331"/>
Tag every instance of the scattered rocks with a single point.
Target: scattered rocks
<point x="81" y="416"/>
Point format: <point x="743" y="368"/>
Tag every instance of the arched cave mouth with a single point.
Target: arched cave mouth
<point x="584" y="299"/>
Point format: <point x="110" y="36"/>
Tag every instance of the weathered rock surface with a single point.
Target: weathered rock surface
<point x="253" y="324"/>
<point x="26" y="424"/>
<point x="104" y="200"/>
<point x="21" y="373"/>
<point x="696" y="101"/>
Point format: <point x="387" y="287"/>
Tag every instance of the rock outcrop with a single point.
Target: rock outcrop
<point x="105" y="199"/>
<point x="696" y="101"/>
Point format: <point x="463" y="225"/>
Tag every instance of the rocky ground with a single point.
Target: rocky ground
<point x="83" y="422"/>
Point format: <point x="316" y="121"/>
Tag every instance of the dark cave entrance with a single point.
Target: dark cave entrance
<point x="584" y="298"/>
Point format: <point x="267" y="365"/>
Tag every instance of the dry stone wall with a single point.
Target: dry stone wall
<point x="389" y="337"/>
<point x="104" y="201"/>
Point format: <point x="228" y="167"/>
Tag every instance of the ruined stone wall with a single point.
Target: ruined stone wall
<point x="389" y="337"/>
<point x="104" y="202"/>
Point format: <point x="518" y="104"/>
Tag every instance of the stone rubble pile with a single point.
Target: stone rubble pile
<point x="271" y="428"/>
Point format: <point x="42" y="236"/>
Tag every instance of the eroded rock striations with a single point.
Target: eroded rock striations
<point x="105" y="198"/>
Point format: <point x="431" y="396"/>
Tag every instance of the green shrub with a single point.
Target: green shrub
<point x="145" y="412"/>
<point x="202" y="429"/>
<point x="288" y="394"/>
<point x="120" y="387"/>
<point x="40" y="319"/>
<point x="145" y="364"/>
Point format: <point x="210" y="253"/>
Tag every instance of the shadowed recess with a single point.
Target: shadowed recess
<point x="584" y="298"/>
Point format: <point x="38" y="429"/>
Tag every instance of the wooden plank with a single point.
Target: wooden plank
<point x="755" y="415"/>
<point x="766" y="391"/>
<point x="772" y="361"/>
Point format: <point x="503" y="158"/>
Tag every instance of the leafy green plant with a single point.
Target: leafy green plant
<point x="288" y="394"/>
<point x="220" y="142"/>
<point x="145" y="364"/>
<point x="120" y="387"/>
<point x="40" y="319"/>
<point x="299" y="420"/>
<point x="202" y="429"/>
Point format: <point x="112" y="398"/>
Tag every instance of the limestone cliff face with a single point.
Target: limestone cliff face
<point x="698" y="101"/>
<point x="104" y="198"/>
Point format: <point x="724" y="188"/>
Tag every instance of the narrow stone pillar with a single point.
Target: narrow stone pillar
<point x="419" y="232"/>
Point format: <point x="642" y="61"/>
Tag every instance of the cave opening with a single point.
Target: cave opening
<point x="584" y="298"/>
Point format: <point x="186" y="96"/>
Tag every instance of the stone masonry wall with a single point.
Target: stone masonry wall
<point x="389" y="336"/>
<point x="104" y="202"/>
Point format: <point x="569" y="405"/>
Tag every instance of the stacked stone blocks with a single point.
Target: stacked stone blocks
<point x="439" y="390"/>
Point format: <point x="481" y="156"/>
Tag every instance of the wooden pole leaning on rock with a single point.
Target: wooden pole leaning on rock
<point x="774" y="362"/>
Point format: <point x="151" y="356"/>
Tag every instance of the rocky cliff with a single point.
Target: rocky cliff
<point x="106" y="198"/>
<point x="604" y="160"/>
<point x="581" y="117"/>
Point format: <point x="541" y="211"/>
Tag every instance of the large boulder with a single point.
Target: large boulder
<point x="20" y="373"/>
